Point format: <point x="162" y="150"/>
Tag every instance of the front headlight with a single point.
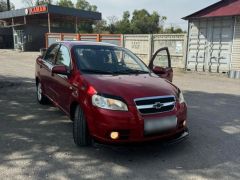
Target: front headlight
<point x="108" y="103"/>
<point x="181" y="97"/>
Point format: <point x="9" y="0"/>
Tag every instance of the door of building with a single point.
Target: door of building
<point x="18" y="39"/>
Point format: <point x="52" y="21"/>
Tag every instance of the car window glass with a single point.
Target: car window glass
<point x="51" y="53"/>
<point x="63" y="57"/>
<point x="161" y="59"/>
<point x="127" y="61"/>
<point x="96" y="59"/>
<point x="107" y="59"/>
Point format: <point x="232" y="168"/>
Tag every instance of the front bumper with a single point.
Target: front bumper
<point x="130" y="125"/>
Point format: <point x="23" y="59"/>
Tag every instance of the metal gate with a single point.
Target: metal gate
<point x="210" y="45"/>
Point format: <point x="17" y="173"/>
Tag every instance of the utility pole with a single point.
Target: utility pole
<point x="8" y="5"/>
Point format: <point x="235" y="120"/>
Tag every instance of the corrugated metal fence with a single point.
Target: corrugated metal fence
<point x="143" y="45"/>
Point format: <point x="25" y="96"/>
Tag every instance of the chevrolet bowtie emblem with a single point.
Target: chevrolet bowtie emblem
<point x="158" y="105"/>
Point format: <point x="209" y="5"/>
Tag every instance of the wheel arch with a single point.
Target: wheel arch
<point x="37" y="80"/>
<point x="73" y="106"/>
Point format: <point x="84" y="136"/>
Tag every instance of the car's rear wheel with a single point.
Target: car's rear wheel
<point x="42" y="99"/>
<point x="81" y="134"/>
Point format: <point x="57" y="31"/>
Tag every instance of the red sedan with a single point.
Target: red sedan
<point x="110" y="94"/>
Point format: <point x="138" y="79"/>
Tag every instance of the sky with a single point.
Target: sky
<point x="173" y="9"/>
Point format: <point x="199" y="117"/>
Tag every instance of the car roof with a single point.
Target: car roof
<point x="74" y="43"/>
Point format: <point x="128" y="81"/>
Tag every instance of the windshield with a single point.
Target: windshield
<point x="93" y="59"/>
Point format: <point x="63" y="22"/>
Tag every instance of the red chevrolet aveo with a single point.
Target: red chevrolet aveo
<point x="110" y="94"/>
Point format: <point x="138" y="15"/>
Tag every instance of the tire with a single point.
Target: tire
<point x="41" y="98"/>
<point x="81" y="134"/>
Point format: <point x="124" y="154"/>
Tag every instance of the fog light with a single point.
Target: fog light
<point x="114" y="135"/>
<point x="184" y="123"/>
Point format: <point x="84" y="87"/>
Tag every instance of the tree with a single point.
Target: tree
<point x="144" y="23"/>
<point x="112" y="24"/>
<point x="4" y="7"/>
<point x="85" y="27"/>
<point x="30" y="3"/>
<point x="173" y="30"/>
<point x="84" y="5"/>
<point x="65" y="3"/>
<point x="124" y="26"/>
<point x="100" y="27"/>
<point x="43" y="2"/>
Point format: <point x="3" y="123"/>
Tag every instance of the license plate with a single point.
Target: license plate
<point x="152" y="126"/>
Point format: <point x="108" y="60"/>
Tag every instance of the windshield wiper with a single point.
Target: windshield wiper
<point x="96" y="71"/>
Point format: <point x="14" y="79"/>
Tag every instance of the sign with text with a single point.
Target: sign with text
<point x="36" y="10"/>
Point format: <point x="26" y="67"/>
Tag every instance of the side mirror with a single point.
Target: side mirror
<point x="43" y="52"/>
<point x="61" y="69"/>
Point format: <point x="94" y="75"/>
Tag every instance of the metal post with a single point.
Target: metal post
<point x="187" y="49"/>
<point x="8" y="5"/>
<point x="13" y="30"/>
<point x="151" y="48"/>
<point x="122" y="40"/>
<point x="76" y="25"/>
<point x="233" y="42"/>
<point x="98" y="38"/>
<point x="25" y="20"/>
<point x="49" y="23"/>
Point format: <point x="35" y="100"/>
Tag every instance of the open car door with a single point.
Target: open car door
<point x="160" y="64"/>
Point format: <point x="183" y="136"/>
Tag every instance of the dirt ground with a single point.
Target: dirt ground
<point x="36" y="141"/>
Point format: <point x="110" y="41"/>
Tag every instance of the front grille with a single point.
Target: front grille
<point x="152" y="105"/>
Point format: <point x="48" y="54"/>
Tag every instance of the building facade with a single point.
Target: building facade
<point x="214" y="38"/>
<point x="25" y="29"/>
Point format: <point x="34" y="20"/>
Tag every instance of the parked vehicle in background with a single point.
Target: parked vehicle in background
<point x="110" y="94"/>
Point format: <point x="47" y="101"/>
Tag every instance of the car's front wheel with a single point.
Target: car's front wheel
<point x="42" y="99"/>
<point x="81" y="134"/>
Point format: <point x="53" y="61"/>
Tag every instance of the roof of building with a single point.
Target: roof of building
<point x="51" y="9"/>
<point x="222" y="8"/>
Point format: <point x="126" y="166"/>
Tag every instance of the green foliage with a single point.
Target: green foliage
<point x="30" y="3"/>
<point x="142" y="22"/>
<point x="174" y="30"/>
<point x="3" y="6"/>
<point x="145" y="23"/>
<point x="123" y="26"/>
<point x="100" y="27"/>
<point x="84" y="5"/>
<point x="65" y="3"/>
<point x="86" y="27"/>
<point x="43" y="2"/>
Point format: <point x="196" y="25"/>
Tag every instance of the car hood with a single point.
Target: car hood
<point x="130" y="87"/>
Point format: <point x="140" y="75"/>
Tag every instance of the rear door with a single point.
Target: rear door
<point x="160" y="64"/>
